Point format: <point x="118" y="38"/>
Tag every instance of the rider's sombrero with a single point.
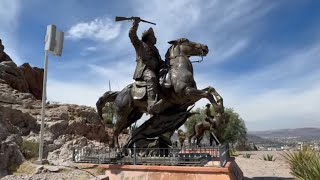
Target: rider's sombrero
<point x="146" y="33"/>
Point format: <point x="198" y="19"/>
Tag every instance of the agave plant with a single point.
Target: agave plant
<point x="268" y="157"/>
<point x="304" y="164"/>
<point x="247" y="155"/>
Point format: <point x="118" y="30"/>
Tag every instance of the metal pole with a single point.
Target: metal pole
<point x="134" y="154"/>
<point x="44" y="90"/>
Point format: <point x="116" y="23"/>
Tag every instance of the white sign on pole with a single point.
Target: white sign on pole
<point x="50" y="38"/>
<point x="54" y="43"/>
<point x="59" y="43"/>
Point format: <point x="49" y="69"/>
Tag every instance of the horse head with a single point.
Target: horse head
<point x="185" y="47"/>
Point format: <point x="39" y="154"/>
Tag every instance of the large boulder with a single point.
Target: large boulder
<point x="23" y="121"/>
<point x="24" y="78"/>
<point x="3" y="55"/>
<point x="10" y="141"/>
<point x="11" y="74"/>
<point x="34" y="78"/>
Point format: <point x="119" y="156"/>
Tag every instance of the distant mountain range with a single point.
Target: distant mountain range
<point x="304" y="133"/>
<point x="268" y="136"/>
<point x="257" y="139"/>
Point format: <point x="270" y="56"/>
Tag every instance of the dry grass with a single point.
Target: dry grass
<point x="256" y="167"/>
<point x="26" y="168"/>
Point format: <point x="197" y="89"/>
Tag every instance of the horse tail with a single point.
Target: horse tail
<point x="108" y="96"/>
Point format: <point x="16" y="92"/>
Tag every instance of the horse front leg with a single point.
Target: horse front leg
<point x="197" y="94"/>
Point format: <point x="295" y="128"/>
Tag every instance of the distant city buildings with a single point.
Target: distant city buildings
<point x="287" y="144"/>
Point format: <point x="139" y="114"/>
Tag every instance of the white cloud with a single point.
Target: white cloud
<point x="9" y="11"/>
<point x="98" y="29"/>
<point x="73" y="93"/>
<point x="282" y="108"/>
<point x="91" y="48"/>
<point x="223" y="53"/>
<point x="87" y="93"/>
<point x="226" y="27"/>
<point x="120" y="73"/>
<point x="9" y="15"/>
<point x="286" y="71"/>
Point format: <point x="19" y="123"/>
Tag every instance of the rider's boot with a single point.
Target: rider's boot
<point x="154" y="106"/>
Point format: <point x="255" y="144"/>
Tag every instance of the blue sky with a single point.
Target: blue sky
<point x="264" y="56"/>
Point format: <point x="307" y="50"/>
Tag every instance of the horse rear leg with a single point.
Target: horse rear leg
<point x="191" y="136"/>
<point x="121" y="123"/>
<point x="199" y="133"/>
<point x="124" y="122"/>
<point x="199" y="138"/>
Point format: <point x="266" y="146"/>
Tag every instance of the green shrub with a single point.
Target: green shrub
<point x="304" y="164"/>
<point x="30" y="149"/>
<point x="107" y="121"/>
<point x="247" y="155"/>
<point x="268" y="157"/>
<point x="233" y="153"/>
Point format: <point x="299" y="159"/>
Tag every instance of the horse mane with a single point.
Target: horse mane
<point x="167" y="56"/>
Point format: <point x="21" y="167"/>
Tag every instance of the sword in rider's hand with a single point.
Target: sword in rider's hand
<point x="119" y="18"/>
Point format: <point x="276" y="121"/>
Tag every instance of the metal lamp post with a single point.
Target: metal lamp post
<point x="53" y="43"/>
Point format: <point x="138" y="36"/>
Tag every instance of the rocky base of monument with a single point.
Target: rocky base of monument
<point x="67" y="126"/>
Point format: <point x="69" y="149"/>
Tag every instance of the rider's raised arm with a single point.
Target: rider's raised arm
<point x="133" y="35"/>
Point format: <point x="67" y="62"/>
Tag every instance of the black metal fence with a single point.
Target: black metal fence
<point x="185" y="156"/>
<point x="224" y="154"/>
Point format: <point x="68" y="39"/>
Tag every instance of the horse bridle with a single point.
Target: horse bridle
<point x="199" y="61"/>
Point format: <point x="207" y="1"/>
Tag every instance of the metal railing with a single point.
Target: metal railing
<point x="224" y="154"/>
<point x="185" y="156"/>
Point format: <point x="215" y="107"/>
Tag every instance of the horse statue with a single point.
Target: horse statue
<point x="201" y="127"/>
<point x="218" y="124"/>
<point x="178" y="90"/>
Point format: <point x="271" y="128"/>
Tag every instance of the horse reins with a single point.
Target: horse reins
<point x="199" y="61"/>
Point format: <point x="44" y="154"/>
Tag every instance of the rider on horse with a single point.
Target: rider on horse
<point x="210" y="118"/>
<point x="148" y="62"/>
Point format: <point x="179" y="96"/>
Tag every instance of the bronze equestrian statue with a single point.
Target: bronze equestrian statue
<point x="132" y="102"/>
<point x="199" y="128"/>
<point x="217" y="123"/>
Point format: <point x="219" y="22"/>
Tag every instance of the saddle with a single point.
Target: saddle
<point x="165" y="77"/>
<point x="139" y="88"/>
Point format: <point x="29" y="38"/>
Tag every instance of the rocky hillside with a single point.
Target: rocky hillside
<point x="66" y="126"/>
<point x="24" y="78"/>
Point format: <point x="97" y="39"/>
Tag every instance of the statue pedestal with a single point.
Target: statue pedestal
<point x="231" y="171"/>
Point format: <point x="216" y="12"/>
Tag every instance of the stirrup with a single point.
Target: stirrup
<point x="155" y="108"/>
